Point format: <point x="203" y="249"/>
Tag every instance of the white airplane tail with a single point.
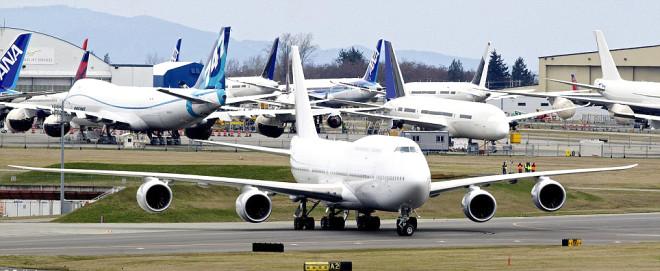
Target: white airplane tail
<point x="610" y="71"/>
<point x="305" y="127"/>
<point x="482" y="71"/>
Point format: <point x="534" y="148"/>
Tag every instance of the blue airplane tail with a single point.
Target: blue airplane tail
<point x="213" y="73"/>
<point x="11" y="62"/>
<point x="177" y="49"/>
<point x="269" y="70"/>
<point x="371" y="75"/>
<point x="393" y="78"/>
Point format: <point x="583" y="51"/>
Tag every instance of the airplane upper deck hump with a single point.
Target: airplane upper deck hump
<point x="11" y="62"/>
<point x="371" y="75"/>
<point x="269" y="69"/>
<point x="305" y="127"/>
<point x="213" y="73"/>
<point x="393" y="78"/>
<point x="610" y="71"/>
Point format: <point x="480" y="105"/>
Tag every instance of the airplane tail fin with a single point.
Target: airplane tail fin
<point x="482" y="71"/>
<point x="574" y="80"/>
<point x="371" y="75"/>
<point x="213" y="73"/>
<point x="84" y="45"/>
<point x="82" y="68"/>
<point x="610" y="71"/>
<point x="393" y="78"/>
<point x="269" y="69"/>
<point x="305" y="126"/>
<point x="11" y="62"/>
<point x="177" y="49"/>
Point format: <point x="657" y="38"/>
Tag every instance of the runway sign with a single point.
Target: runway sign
<point x="571" y="242"/>
<point x="267" y="247"/>
<point x="328" y="266"/>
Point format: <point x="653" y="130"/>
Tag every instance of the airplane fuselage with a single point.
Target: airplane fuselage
<point x="462" y="91"/>
<point x="248" y="86"/>
<point x="376" y="172"/>
<point x="142" y="108"/>
<point x="463" y="119"/>
<point x="630" y="91"/>
<point x="340" y="88"/>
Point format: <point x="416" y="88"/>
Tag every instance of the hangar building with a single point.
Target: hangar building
<point x="51" y="64"/>
<point x="636" y="64"/>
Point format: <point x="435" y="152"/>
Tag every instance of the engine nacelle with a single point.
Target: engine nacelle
<point x="622" y="114"/>
<point x="479" y="205"/>
<point x="154" y="195"/>
<point x="19" y="120"/>
<point x="200" y="131"/>
<point x="53" y="125"/>
<point x="560" y="103"/>
<point x="253" y="205"/>
<point x="334" y="120"/>
<point x="548" y="195"/>
<point x="270" y="127"/>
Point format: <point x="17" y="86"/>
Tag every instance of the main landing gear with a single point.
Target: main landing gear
<point x="366" y="222"/>
<point x="405" y="224"/>
<point x="331" y="221"/>
<point x="302" y="220"/>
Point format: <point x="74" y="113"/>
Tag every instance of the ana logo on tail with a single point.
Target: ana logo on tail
<point x="9" y="59"/>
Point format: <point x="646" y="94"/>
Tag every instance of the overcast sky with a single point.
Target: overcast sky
<point x="460" y="27"/>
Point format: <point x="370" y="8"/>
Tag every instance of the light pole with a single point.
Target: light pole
<point x="62" y="155"/>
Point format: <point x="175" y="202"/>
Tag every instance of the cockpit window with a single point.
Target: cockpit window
<point x="405" y="149"/>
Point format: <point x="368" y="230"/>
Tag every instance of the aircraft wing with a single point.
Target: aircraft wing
<point x="539" y="113"/>
<point x="327" y="192"/>
<point x="415" y="121"/>
<point x="577" y="84"/>
<point x="227" y="115"/>
<point x="251" y="98"/>
<point x="442" y="186"/>
<point x="277" y="151"/>
<point x="257" y="85"/>
<point x="95" y="116"/>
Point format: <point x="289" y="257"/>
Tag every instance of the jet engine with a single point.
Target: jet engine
<point x="201" y="131"/>
<point x="334" y="120"/>
<point x="479" y="205"/>
<point x="19" y="120"/>
<point x="154" y="195"/>
<point x="270" y="127"/>
<point x="52" y="125"/>
<point x="548" y="195"/>
<point x="253" y="205"/>
<point x="560" y="103"/>
<point x="622" y="114"/>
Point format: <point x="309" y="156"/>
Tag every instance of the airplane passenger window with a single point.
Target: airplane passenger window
<point x="406" y="149"/>
<point x="466" y="116"/>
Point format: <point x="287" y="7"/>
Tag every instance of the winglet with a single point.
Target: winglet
<point x="304" y="119"/>
<point x="11" y="62"/>
<point x="610" y="71"/>
<point x="371" y="75"/>
<point x="269" y="69"/>
<point x="481" y="74"/>
<point x="393" y="78"/>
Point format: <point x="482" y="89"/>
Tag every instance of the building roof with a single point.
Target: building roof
<point x="593" y="52"/>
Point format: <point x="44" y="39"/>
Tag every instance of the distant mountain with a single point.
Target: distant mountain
<point x="131" y="39"/>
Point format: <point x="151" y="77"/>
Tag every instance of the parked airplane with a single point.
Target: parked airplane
<point x="625" y="100"/>
<point x="256" y="85"/>
<point x="473" y="91"/>
<point x="349" y="89"/>
<point x="133" y="108"/>
<point x="461" y="118"/>
<point x="11" y="64"/>
<point x="374" y="173"/>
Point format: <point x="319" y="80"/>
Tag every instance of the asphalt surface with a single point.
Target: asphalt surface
<point x="103" y="239"/>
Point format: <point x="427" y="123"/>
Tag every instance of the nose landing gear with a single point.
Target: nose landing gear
<point x="405" y="224"/>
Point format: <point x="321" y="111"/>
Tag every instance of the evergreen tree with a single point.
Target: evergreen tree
<point x="519" y="72"/>
<point x="350" y="55"/>
<point x="498" y="72"/>
<point x="455" y="72"/>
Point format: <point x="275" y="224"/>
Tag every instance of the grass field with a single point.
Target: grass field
<point x="644" y="256"/>
<point x="196" y="204"/>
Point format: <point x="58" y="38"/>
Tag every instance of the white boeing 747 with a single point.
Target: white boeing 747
<point x="374" y="173"/>
<point x="462" y="119"/>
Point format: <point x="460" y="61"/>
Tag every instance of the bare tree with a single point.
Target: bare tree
<point x="306" y="47"/>
<point x="153" y="58"/>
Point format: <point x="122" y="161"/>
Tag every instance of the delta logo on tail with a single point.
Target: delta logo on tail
<point x="574" y="87"/>
<point x="12" y="61"/>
